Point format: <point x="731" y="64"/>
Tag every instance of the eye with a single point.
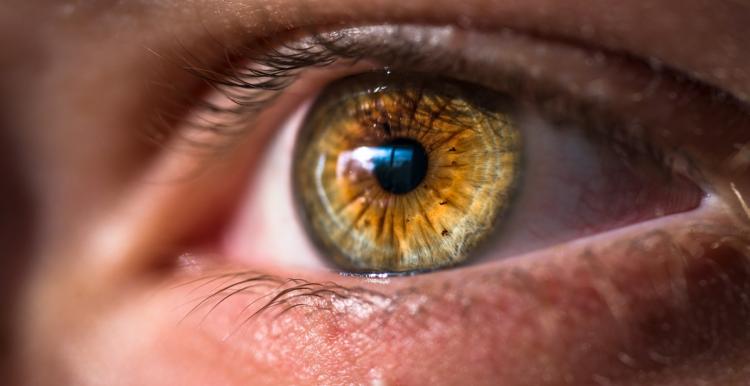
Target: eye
<point x="397" y="171"/>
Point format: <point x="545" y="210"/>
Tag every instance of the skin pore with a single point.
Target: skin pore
<point x="100" y="291"/>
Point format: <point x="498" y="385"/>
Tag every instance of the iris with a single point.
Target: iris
<point x="399" y="174"/>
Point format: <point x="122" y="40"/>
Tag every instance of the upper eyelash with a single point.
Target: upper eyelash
<point x="251" y="77"/>
<point x="267" y="71"/>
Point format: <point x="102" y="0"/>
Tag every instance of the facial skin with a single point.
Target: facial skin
<point x="98" y="289"/>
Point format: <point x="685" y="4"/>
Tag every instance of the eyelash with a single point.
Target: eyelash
<point x="273" y="296"/>
<point x="252" y="78"/>
<point x="252" y="87"/>
<point x="281" y="295"/>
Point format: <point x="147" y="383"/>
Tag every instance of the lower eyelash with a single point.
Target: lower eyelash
<point x="276" y="296"/>
<point x="271" y="297"/>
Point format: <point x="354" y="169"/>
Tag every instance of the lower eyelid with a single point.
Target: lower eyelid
<point x="639" y="297"/>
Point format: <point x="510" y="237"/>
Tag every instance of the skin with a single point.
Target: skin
<point x="97" y="290"/>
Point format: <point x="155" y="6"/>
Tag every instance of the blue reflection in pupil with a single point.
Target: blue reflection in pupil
<point x="400" y="165"/>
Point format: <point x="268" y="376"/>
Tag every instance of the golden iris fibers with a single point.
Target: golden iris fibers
<point x="402" y="173"/>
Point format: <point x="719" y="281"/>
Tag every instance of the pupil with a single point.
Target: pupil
<point x="400" y="165"/>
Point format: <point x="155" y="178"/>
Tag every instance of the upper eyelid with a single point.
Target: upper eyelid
<point x="253" y="76"/>
<point x="618" y="26"/>
<point x="697" y="107"/>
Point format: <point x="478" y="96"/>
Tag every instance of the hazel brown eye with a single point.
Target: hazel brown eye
<point x="404" y="173"/>
<point x="421" y="165"/>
